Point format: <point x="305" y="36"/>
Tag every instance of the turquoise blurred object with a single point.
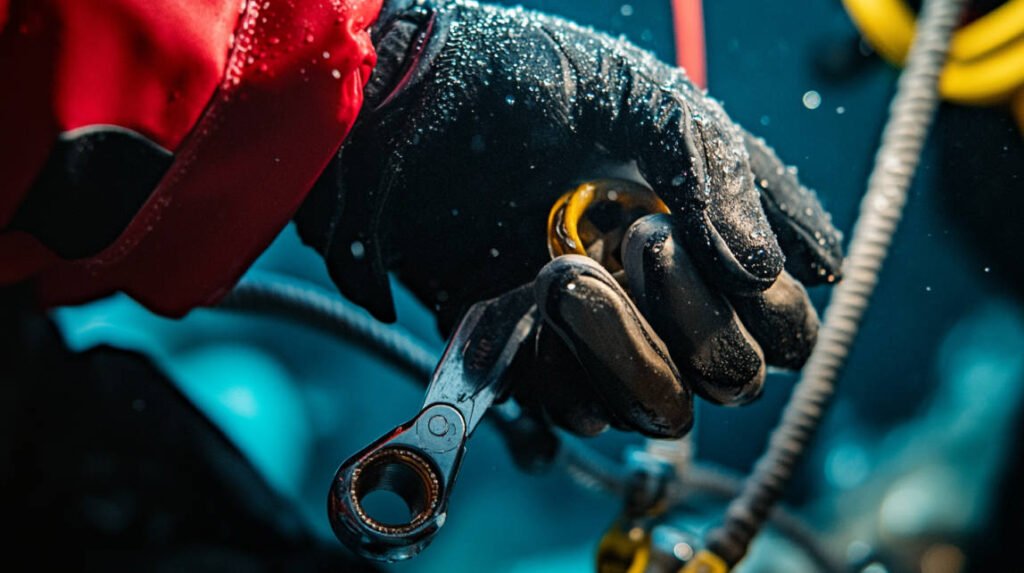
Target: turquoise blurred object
<point x="270" y="385"/>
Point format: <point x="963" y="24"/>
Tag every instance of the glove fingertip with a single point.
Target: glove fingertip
<point x="624" y="359"/>
<point x="714" y="352"/>
<point x="812" y="244"/>
<point x="680" y="427"/>
<point x="813" y="257"/>
<point x="782" y="320"/>
<point x="737" y="265"/>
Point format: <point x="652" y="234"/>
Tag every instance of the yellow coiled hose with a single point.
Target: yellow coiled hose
<point x="986" y="57"/>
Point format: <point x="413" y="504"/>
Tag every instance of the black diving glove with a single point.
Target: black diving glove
<point x="478" y="118"/>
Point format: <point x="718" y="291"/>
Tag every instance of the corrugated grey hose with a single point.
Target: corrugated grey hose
<point x="911" y="114"/>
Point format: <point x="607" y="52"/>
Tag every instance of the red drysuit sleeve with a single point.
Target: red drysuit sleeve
<point x="252" y="97"/>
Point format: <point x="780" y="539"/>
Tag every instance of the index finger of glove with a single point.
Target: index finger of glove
<point x="731" y="237"/>
<point x="693" y="156"/>
<point x="626" y="362"/>
<point x="714" y="351"/>
<point x="812" y="244"/>
<point x="687" y="148"/>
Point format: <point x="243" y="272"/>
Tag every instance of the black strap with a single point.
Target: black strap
<point x="93" y="183"/>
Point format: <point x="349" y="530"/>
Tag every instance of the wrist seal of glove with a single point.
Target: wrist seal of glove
<point x="400" y="37"/>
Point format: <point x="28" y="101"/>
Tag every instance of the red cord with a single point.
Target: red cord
<point x="688" y="21"/>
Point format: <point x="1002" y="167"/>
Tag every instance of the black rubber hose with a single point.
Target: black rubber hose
<point x="294" y="299"/>
<point x="531" y="443"/>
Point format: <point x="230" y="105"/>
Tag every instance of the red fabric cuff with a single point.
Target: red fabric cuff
<point x="291" y="91"/>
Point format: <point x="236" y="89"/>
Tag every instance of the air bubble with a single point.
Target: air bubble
<point x="358" y="250"/>
<point x="812" y="99"/>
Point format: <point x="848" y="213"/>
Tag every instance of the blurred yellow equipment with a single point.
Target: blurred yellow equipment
<point x="986" y="57"/>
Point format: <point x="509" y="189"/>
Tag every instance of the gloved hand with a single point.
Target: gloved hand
<point x="478" y="118"/>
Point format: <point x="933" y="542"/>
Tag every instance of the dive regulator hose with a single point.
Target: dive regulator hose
<point x="910" y="117"/>
<point x="297" y="300"/>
